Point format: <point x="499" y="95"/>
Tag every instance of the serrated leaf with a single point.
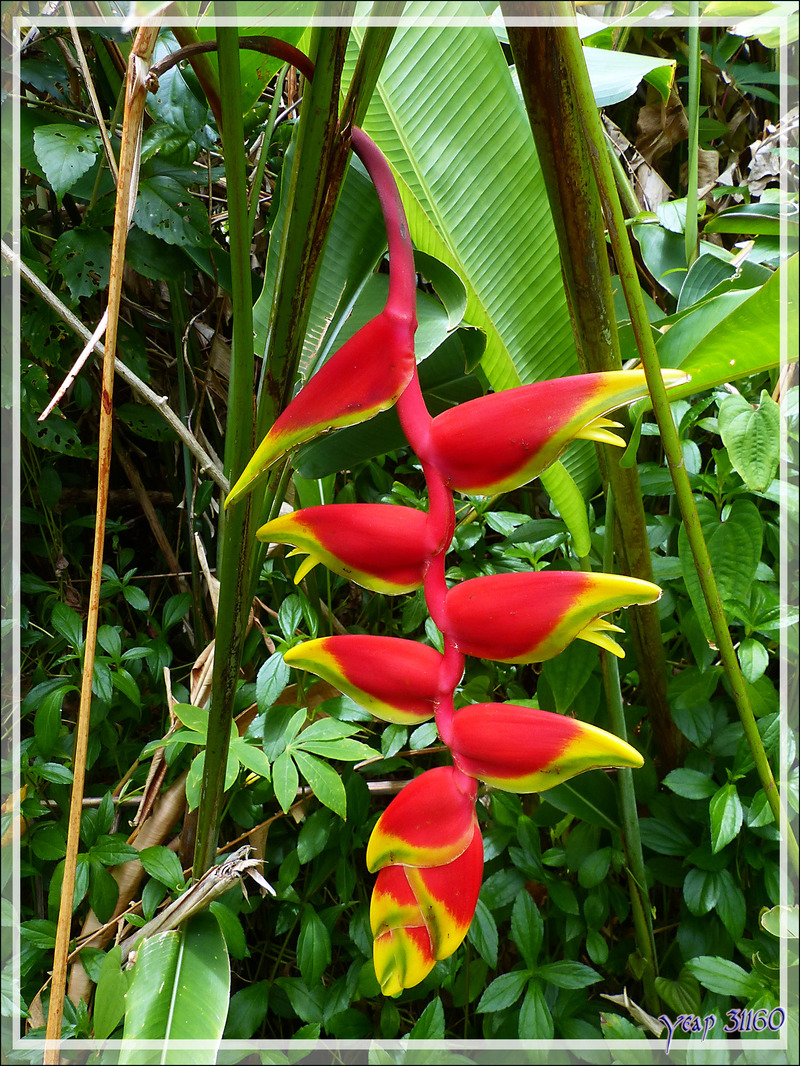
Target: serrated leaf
<point x="482" y="933"/>
<point x="567" y="974"/>
<point x="724" y="977"/>
<point x="752" y="436"/>
<point x="167" y="210"/>
<point x="690" y="784"/>
<point x="726" y="814"/>
<point x="431" y="1023"/>
<point x="535" y="1019"/>
<point x="503" y="992"/>
<point x="65" y="153"/>
<point x="83" y="258"/>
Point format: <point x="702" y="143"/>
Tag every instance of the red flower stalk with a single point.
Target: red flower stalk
<point x="368" y="373"/>
<point x="501" y="441"/>
<point x="530" y="617"/>
<point x="394" y="679"/>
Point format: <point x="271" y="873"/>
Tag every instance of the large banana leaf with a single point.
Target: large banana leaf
<point x="449" y="119"/>
<point x="178" y="992"/>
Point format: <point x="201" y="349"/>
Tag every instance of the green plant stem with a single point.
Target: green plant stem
<point x="262" y="158"/>
<point x="554" y="114"/>
<point x="620" y="243"/>
<point x="631" y="837"/>
<point x="690" y="232"/>
<point x="235" y="548"/>
<point x="179" y="318"/>
<point x="373" y="52"/>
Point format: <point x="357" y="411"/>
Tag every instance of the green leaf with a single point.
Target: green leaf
<point x="616" y="75"/>
<point x="535" y="1019"/>
<point x="192" y="717"/>
<point x="285" y="780"/>
<point x="439" y="153"/>
<point x="65" y="152"/>
<point x="247" y="1011"/>
<point x="734" y="547"/>
<point x="527" y="928"/>
<point x="313" y="947"/>
<point x="701" y="890"/>
<point x="324" y="780"/>
<point x="109" y="997"/>
<point x="724" y="977"/>
<point x="346" y="749"/>
<point x="690" y="784"/>
<point x="752" y="436"/>
<point x="431" y="1023"/>
<point x="66" y="621"/>
<point x="179" y="991"/>
<point x="753" y="659"/>
<point x="726" y="816"/>
<point x="175" y="609"/>
<point x="314" y="835"/>
<point x="271" y="680"/>
<point x="566" y="974"/>
<point x="448" y="285"/>
<point x="568" y="499"/>
<point x="482" y="934"/>
<point x="751" y="219"/>
<point x="47" y="723"/>
<point x="103" y="890"/>
<point x="55" y="772"/>
<point x="503" y="992"/>
<point x="251" y="757"/>
<point x="113" y="851"/>
<point x="231" y="928"/>
<point x="163" y="864"/>
<point x="734" y="335"/>
<point x="165" y="209"/>
<point x="49" y="843"/>
<point x="83" y="258"/>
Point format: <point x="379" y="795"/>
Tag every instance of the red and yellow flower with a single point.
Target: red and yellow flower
<point x="524" y="749"/>
<point x="428" y="850"/>
<point x="530" y="617"/>
<point x="394" y="679"/>
<point x="498" y="442"/>
<point x="379" y="546"/>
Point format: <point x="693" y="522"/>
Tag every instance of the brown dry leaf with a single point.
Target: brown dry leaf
<point x="660" y="127"/>
<point x="765" y="164"/>
<point x="650" y="188"/>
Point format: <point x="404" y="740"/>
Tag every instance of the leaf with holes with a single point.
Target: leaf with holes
<point x="83" y="257"/>
<point x="65" y="152"/>
<point x="165" y="209"/>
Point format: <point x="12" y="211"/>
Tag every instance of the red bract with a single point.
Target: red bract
<point x="394" y="679"/>
<point x="530" y="617"/>
<point x="379" y="546"/>
<point x="523" y="749"/>
<point x="419" y="915"/>
<point x="429" y="851"/>
<point x="498" y="442"/>
<point x="429" y="823"/>
<point x="364" y="377"/>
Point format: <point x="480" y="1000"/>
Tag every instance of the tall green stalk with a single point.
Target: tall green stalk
<point x="690" y="232"/>
<point x="567" y="41"/>
<point x="235" y="542"/>
<point x="554" y="116"/>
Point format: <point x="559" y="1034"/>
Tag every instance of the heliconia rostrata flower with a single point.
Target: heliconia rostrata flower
<point x="426" y="847"/>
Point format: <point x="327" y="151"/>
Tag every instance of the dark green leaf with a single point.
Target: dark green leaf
<point x="483" y="933"/>
<point x="535" y="1020"/>
<point x="271" y="680"/>
<point x="313" y="947"/>
<point x="527" y="928"/>
<point x="324" y="780"/>
<point x="726" y="816"/>
<point x="109" y="997"/>
<point x="566" y="974"/>
<point x="65" y="152"/>
<point x="724" y="977"/>
<point x="164" y="865"/>
<point x="503" y="992"/>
